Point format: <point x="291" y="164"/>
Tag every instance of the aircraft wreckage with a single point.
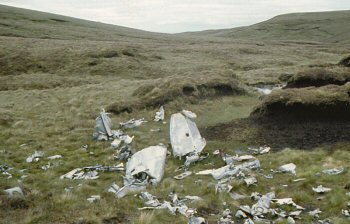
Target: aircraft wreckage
<point x="184" y="134"/>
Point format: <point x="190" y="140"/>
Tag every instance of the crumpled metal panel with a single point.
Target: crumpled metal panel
<point x="185" y="136"/>
<point x="103" y="126"/>
<point x="150" y="160"/>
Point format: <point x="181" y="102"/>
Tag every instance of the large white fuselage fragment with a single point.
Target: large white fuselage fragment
<point x="150" y="160"/>
<point x="184" y="135"/>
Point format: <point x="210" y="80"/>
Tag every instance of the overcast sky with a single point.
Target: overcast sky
<point x="172" y="16"/>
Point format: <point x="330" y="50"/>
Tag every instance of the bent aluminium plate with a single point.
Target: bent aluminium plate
<point x="185" y="136"/>
<point x="150" y="160"/>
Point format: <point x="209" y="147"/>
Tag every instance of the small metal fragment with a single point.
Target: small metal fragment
<point x="320" y="189"/>
<point x="183" y="175"/>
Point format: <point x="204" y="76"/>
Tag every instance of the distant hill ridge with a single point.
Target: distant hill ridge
<point x="329" y="27"/>
<point x="17" y="22"/>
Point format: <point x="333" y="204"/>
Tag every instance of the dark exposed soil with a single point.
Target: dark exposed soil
<point x="345" y="62"/>
<point x="319" y="76"/>
<point x="281" y="133"/>
<point x="121" y="218"/>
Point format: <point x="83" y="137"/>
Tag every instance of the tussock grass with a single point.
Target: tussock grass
<point x="319" y="77"/>
<point x="330" y="102"/>
<point x="189" y="89"/>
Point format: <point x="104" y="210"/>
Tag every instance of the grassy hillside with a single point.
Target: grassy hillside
<point x="56" y="73"/>
<point x="328" y="27"/>
<point x="19" y="22"/>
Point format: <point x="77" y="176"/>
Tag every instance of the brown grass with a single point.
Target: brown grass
<point x="188" y="89"/>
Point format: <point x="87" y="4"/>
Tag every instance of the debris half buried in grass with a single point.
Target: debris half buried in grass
<point x="250" y="181"/>
<point x="346" y="212"/>
<point x="11" y="192"/>
<point x="183" y="175"/>
<point x="226" y="217"/>
<point x="230" y="170"/>
<point x="90" y="172"/>
<point x="4" y="171"/>
<point x="175" y="205"/>
<point x="133" y="123"/>
<point x="144" y="167"/>
<point x="334" y="171"/>
<point x="55" y="157"/>
<point x="94" y="198"/>
<point x="315" y="213"/>
<point x="159" y="114"/>
<point x="196" y="220"/>
<point x="35" y="156"/>
<point x="260" y="150"/>
<point x="320" y="189"/>
<point x="287" y="168"/>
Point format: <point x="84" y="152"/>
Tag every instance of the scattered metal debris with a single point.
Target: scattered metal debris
<point x="320" y="189"/>
<point x="324" y="221"/>
<point x="94" y="198"/>
<point x="90" y="172"/>
<point x="183" y="175"/>
<point x="250" y="181"/>
<point x="14" y="191"/>
<point x="116" y="143"/>
<point x="287" y="201"/>
<point x="175" y="205"/>
<point x="149" y="163"/>
<point x="230" y="170"/>
<point x="216" y="152"/>
<point x="144" y="167"/>
<point x="159" y="114"/>
<point x="300" y="179"/>
<point x="242" y="158"/>
<point x="103" y="127"/>
<point x="315" y="213"/>
<point x="196" y="220"/>
<point x="189" y="114"/>
<point x="287" y="168"/>
<point x="290" y="220"/>
<point x="124" y="153"/>
<point x="268" y="176"/>
<point x="133" y="123"/>
<point x="35" y="156"/>
<point x="131" y="188"/>
<point x="84" y="147"/>
<point x="46" y="167"/>
<point x="55" y="157"/>
<point x="226" y="217"/>
<point x="259" y="151"/>
<point x="334" y="171"/>
<point x="126" y="139"/>
<point x="345" y="212"/>
<point x="236" y="196"/>
<point x="222" y="187"/>
<point x="4" y="170"/>
<point x="114" y="188"/>
<point x="240" y="214"/>
<point x="194" y="157"/>
<point x="184" y="135"/>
